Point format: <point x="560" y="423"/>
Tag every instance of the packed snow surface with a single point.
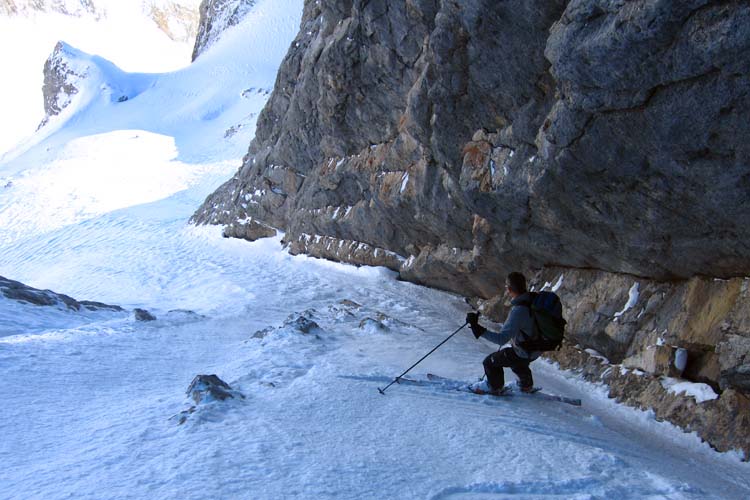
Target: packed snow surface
<point x="97" y="208"/>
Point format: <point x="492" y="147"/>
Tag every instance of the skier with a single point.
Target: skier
<point x="518" y="328"/>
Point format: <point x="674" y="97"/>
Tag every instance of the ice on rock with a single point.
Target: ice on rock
<point x="632" y="300"/>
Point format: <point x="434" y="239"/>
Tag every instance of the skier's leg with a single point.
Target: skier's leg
<point x="520" y="367"/>
<point x="493" y="368"/>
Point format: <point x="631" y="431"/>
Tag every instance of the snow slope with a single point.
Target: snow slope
<point x="97" y="208"/>
<point x="119" y="30"/>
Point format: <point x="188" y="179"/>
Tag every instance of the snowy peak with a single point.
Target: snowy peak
<point x="73" y="76"/>
<point x="215" y="17"/>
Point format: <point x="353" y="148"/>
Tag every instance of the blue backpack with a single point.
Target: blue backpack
<point x="549" y="326"/>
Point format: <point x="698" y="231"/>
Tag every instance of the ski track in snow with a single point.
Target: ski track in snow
<point x="91" y="399"/>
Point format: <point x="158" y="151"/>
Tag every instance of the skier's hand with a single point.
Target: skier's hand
<point x="478" y="330"/>
<point x="472" y="318"/>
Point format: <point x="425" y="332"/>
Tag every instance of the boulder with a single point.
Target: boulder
<point x="206" y="388"/>
<point x="143" y="315"/>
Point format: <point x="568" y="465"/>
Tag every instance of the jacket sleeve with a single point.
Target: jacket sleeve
<point x="511" y="327"/>
<point x="496" y="338"/>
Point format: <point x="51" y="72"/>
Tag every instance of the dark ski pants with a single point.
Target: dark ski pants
<point x="495" y="362"/>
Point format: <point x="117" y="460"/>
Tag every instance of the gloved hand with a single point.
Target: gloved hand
<point x="478" y="330"/>
<point x="472" y="318"/>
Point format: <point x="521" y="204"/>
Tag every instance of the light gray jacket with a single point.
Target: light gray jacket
<point x="518" y="326"/>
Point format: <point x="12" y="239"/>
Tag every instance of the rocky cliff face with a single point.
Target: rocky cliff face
<point x="454" y="142"/>
<point x="215" y="17"/>
<point x="478" y="138"/>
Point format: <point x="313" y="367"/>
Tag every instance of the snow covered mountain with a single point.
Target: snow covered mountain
<point x="165" y="34"/>
<point x="95" y="205"/>
<point x="202" y="114"/>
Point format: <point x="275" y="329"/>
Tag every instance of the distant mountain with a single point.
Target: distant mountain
<point x="177" y="18"/>
<point x="137" y="35"/>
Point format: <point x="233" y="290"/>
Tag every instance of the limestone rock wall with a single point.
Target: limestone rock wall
<point x="723" y="422"/>
<point x="178" y="19"/>
<point x="487" y="136"/>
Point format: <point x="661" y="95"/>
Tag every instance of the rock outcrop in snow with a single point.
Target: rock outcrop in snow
<point x="209" y="387"/>
<point x="215" y="17"/>
<point x="72" y="76"/>
<point x="61" y="80"/>
<point x="17" y="291"/>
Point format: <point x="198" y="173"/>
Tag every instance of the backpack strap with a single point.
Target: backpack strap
<point x="527" y="303"/>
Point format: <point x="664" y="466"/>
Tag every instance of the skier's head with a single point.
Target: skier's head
<point x="516" y="284"/>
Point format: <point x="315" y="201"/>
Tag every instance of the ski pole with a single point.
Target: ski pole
<point x="395" y="380"/>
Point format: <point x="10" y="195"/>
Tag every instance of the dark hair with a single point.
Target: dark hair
<point x="516" y="282"/>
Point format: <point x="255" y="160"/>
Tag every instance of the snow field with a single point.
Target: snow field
<point x="312" y="424"/>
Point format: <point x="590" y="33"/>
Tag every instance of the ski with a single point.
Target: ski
<point x="508" y="391"/>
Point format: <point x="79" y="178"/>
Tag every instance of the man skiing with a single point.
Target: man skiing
<point x="518" y="328"/>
